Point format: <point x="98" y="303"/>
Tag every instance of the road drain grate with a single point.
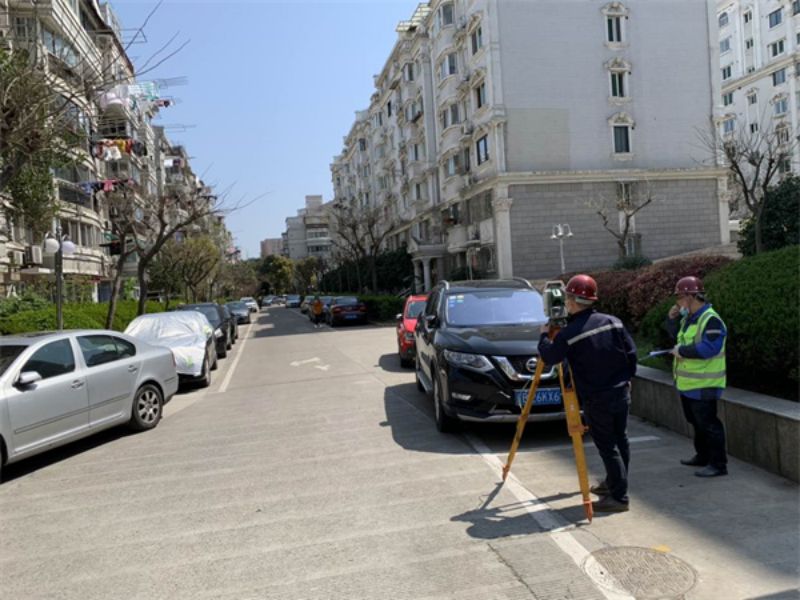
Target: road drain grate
<point x="640" y="572"/>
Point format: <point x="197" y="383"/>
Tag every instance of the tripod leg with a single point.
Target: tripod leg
<point x="523" y="418"/>
<point x="576" y="429"/>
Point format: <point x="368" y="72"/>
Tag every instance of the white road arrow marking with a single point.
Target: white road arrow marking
<point x="297" y="363"/>
<point x="322" y="367"/>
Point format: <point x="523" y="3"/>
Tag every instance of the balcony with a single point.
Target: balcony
<point x="456" y="238"/>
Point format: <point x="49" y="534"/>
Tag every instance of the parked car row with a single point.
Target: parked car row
<point x="59" y="387"/>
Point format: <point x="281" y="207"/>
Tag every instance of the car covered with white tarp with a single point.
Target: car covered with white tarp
<point x="188" y="334"/>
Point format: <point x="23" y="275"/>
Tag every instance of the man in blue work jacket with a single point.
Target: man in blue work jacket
<point x="602" y="358"/>
<point x="699" y="371"/>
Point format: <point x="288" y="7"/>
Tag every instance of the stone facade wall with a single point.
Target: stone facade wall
<point x="683" y="216"/>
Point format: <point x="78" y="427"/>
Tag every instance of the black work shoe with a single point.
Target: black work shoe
<point x="600" y="489"/>
<point x="609" y="504"/>
<point x="695" y="461"/>
<point x="711" y="471"/>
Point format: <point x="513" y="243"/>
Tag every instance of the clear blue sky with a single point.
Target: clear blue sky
<point x="272" y="89"/>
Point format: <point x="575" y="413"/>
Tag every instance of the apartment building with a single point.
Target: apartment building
<point x="492" y="121"/>
<point x="308" y="234"/>
<point x="759" y="62"/>
<point x="271" y="246"/>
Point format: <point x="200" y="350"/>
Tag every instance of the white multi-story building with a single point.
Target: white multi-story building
<point x="759" y="54"/>
<point x="494" y="120"/>
<point x="271" y="246"/>
<point x="309" y="233"/>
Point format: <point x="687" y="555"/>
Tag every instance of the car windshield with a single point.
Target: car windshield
<point x="326" y="299"/>
<point x="152" y="328"/>
<point x="210" y="312"/>
<point x="248" y="299"/>
<point x="346" y="301"/>
<point x="494" y="307"/>
<point x="293" y="298"/>
<point x="237" y="306"/>
<point x="8" y="354"/>
<point x="414" y="309"/>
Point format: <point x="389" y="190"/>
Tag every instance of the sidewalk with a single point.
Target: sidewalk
<point x="736" y="537"/>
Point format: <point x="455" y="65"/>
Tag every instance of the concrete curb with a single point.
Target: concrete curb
<point x="762" y="430"/>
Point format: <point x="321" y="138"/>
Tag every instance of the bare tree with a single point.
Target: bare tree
<point x="756" y="157"/>
<point x="360" y="233"/>
<point x="618" y="214"/>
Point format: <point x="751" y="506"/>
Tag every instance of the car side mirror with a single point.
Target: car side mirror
<point x="27" y="379"/>
<point x="399" y="317"/>
<point x="432" y="321"/>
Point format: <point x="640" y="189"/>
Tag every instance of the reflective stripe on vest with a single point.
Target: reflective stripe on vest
<point x="594" y="331"/>
<point x="698" y="373"/>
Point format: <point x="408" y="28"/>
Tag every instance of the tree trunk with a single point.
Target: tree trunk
<point x="757" y="227"/>
<point x="374" y="268"/>
<point x="141" y="274"/>
<point x="116" y="286"/>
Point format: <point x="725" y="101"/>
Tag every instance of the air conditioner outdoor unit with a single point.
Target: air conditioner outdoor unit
<point x="33" y="255"/>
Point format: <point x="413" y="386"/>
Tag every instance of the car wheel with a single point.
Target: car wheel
<point x="206" y="381"/>
<point x="404" y="362"/>
<point x="147" y="406"/>
<point x="223" y="353"/>
<point x="444" y="423"/>
<point x="215" y="364"/>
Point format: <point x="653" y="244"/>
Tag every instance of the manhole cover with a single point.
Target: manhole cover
<point x="640" y="572"/>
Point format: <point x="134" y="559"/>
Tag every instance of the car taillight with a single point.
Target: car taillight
<point x="362" y="308"/>
<point x="336" y="309"/>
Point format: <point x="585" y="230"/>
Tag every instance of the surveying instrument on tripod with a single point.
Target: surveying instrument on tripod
<point x="556" y="312"/>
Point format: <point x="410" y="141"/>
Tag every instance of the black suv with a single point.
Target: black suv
<point x="477" y="351"/>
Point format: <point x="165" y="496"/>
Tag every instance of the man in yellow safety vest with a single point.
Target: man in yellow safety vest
<point x="699" y="372"/>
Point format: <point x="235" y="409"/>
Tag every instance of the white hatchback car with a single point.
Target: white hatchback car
<point x="59" y="387"/>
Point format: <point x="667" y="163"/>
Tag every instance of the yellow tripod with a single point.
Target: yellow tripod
<point x="575" y="427"/>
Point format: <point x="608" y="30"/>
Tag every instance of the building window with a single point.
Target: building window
<point x="781" y="106"/>
<point x="417" y="151"/>
<point x="480" y="96"/>
<point x="453" y="165"/>
<point x="618" y="87"/>
<point x="409" y="71"/>
<point x="776" y="48"/>
<point x="727" y="99"/>
<point x="782" y="134"/>
<point x="723" y="19"/>
<point x="482" y="149"/>
<point x="728" y="126"/>
<point x="477" y="39"/>
<point x="725" y="45"/>
<point x="748" y="16"/>
<point x="796" y="7"/>
<point x="417" y="191"/>
<point x="748" y="44"/>
<point x="775" y="18"/>
<point x="25" y="28"/>
<point x="448" y="66"/>
<point x="614" y="29"/>
<point x="622" y="139"/>
<point x="753" y="127"/>
<point x="726" y="72"/>
<point x="785" y="164"/>
<point x="362" y="144"/>
<point x="752" y="98"/>
<point x="779" y="77"/>
<point x="446" y="14"/>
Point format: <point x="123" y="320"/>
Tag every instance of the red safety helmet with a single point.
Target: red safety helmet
<point x="583" y="286"/>
<point x="689" y="285"/>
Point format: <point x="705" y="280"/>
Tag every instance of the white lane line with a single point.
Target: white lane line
<point x="556" y="526"/>
<point x="239" y="354"/>
<point x="633" y="440"/>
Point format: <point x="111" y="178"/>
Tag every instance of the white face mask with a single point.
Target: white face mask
<point x="684" y="311"/>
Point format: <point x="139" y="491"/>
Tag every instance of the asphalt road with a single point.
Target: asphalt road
<point x="311" y="469"/>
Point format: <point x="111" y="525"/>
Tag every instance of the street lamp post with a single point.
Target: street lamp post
<point x="60" y="245"/>
<point x="561" y="231"/>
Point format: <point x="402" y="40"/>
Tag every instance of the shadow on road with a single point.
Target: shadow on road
<point x="391" y="363"/>
<point x="56" y="455"/>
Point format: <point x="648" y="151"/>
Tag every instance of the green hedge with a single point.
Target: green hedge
<point x="757" y="297"/>
<point x="76" y="316"/>
<point x="383" y="308"/>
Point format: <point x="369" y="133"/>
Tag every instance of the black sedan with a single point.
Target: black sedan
<point x="240" y="310"/>
<point x="221" y="322"/>
<point x="477" y="351"/>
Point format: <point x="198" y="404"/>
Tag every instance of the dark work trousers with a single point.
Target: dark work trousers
<point x="709" y="434"/>
<point x="606" y="414"/>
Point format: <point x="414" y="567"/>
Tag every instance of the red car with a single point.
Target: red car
<point x="406" y="323"/>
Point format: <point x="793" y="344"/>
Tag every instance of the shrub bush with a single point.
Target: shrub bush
<point x="630" y="263"/>
<point x="612" y="290"/>
<point x="780" y="221"/>
<point x="757" y="299"/>
<point x="26" y="302"/>
<point x="656" y="283"/>
<point x="383" y="308"/>
<point x="76" y="316"/>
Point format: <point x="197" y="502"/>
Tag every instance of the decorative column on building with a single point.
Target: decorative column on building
<point x="417" y="276"/>
<point x="502" y="236"/>
<point x="426" y="268"/>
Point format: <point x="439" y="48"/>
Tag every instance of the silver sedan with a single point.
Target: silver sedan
<point x="59" y="387"/>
